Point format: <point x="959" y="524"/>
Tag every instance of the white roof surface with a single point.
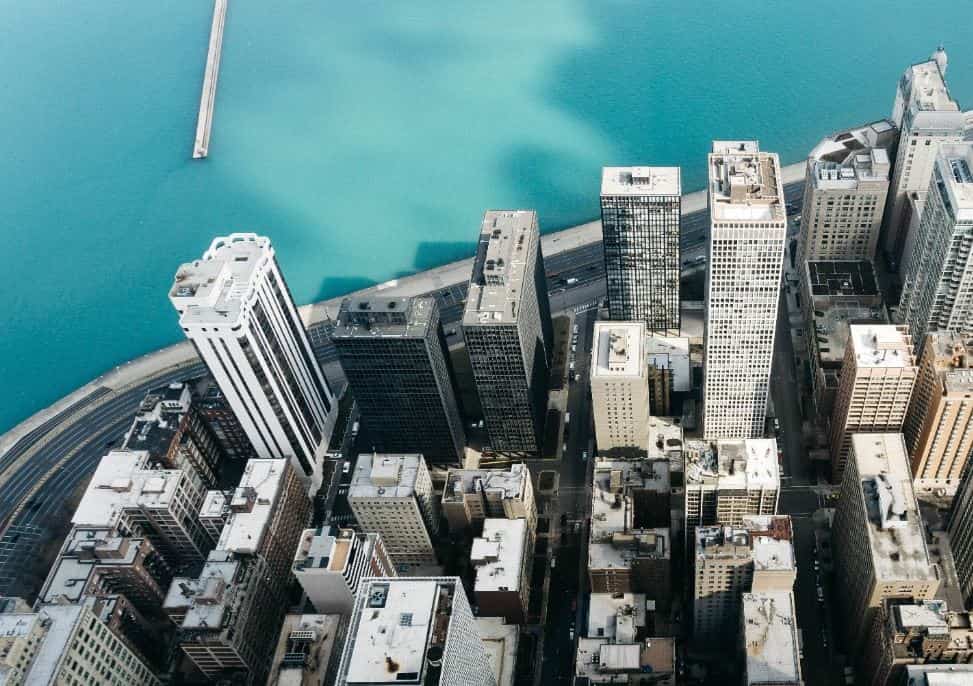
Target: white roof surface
<point x="498" y="555"/>
<point x="880" y="346"/>
<point x="667" y="352"/>
<point x="395" y="634"/>
<point x="500" y="642"/>
<point x="384" y="476"/>
<point x="897" y="545"/>
<point x="615" y="618"/>
<point x="55" y="643"/>
<point x="213" y="289"/>
<point x="640" y="181"/>
<point x="618" y="349"/>
<point x="771" y="638"/>
<point x="259" y="488"/>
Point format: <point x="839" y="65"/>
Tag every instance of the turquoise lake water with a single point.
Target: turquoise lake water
<point x="367" y="138"/>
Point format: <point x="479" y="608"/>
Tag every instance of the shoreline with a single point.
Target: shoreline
<point x="154" y="363"/>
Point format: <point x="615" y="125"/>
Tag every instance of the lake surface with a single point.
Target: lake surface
<point x="367" y="138"/>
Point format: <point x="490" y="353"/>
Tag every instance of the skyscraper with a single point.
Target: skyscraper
<point x="620" y="388"/>
<point x="937" y="290"/>
<point x="874" y="389"/>
<point x="927" y="116"/>
<point x="394" y="356"/>
<point x="961" y="533"/>
<point x="879" y="543"/>
<point x="746" y="253"/>
<point x="507" y="325"/>
<point x="416" y="630"/>
<point x="939" y="424"/>
<point x="235" y="307"/>
<point x="847" y="181"/>
<point x="640" y="215"/>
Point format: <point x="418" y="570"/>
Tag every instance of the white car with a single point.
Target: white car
<point x="584" y="455"/>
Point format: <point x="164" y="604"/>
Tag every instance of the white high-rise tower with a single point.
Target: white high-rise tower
<point x="746" y="253"/>
<point x="927" y="116"/>
<point x="235" y="307"/>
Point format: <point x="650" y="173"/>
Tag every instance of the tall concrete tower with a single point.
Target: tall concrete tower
<point x="235" y="307"/>
<point x="937" y="291"/>
<point x="746" y="253"/>
<point x="640" y="214"/>
<point x="507" y="325"/>
<point x="927" y="116"/>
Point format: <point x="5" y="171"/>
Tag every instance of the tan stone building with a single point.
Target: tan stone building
<point x="907" y="632"/>
<point x="879" y="547"/>
<point x="472" y="495"/>
<point x="844" y="195"/>
<point x="755" y="557"/>
<point x="620" y="388"/>
<point x="875" y="387"/>
<point x="939" y="426"/>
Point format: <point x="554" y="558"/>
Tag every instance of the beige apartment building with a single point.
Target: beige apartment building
<point x="755" y="557"/>
<point x="875" y="387"/>
<point x="939" y="426"/>
<point x="879" y="544"/>
<point x="392" y="495"/>
<point x="620" y="388"/>
<point x="844" y="195"/>
<point x="472" y="495"/>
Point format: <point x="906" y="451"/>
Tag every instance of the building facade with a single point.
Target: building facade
<point x="640" y="218"/>
<point x="755" y="557"/>
<point x="417" y="630"/>
<point x="939" y="424"/>
<point x="937" y="290"/>
<point x="472" y="495"/>
<point x="875" y="387"/>
<point x="236" y="308"/>
<point x="846" y="185"/>
<point x="503" y="558"/>
<point x="330" y="564"/>
<point x="960" y="531"/>
<point x="878" y="539"/>
<point x="620" y="388"/>
<point x="393" y="353"/>
<point x="771" y="639"/>
<point x="508" y="331"/>
<point x="729" y="480"/>
<point x="392" y="495"/>
<point x="927" y="116"/>
<point x="746" y="254"/>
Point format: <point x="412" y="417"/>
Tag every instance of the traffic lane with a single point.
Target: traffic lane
<point x="787" y="401"/>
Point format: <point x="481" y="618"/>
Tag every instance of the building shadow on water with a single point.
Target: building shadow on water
<point x="430" y="254"/>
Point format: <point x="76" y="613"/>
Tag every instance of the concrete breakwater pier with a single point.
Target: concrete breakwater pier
<point x="208" y="97"/>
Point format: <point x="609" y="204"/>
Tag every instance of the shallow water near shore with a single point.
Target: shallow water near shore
<point x="367" y="138"/>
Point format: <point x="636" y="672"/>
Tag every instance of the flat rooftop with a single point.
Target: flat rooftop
<point x="83" y="550"/>
<point x="881" y="346"/>
<point x="374" y="316"/>
<point x="158" y="419"/>
<point x="665" y="440"/>
<point x="502" y="483"/>
<point x="768" y="540"/>
<point x="601" y="661"/>
<point x="771" y="638"/>
<point x="215" y="505"/>
<point x="749" y="463"/>
<point x="212" y="290"/>
<point x="252" y="506"/>
<point x="500" y="642"/>
<point x="894" y="527"/>
<point x="927" y="88"/>
<point x="205" y="599"/>
<point x="842" y="279"/>
<point x="938" y="675"/>
<point x="744" y="183"/>
<point x="616" y="616"/>
<point x="326" y="549"/>
<point x="640" y="181"/>
<point x="845" y="159"/>
<point x="618" y="350"/>
<point x="955" y="163"/>
<point x="384" y="476"/>
<point x="310" y="636"/>
<point x="63" y="620"/>
<point x="668" y="352"/>
<point x="498" y="555"/>
<point x="398" y="620"/>
<point x="501" y="268"/>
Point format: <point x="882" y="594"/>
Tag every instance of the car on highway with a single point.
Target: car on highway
<point x="820" y="595"/>
<point x="575" y="329"/>
<point x="584" y="455"/>
<point x="573" y="280"/>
